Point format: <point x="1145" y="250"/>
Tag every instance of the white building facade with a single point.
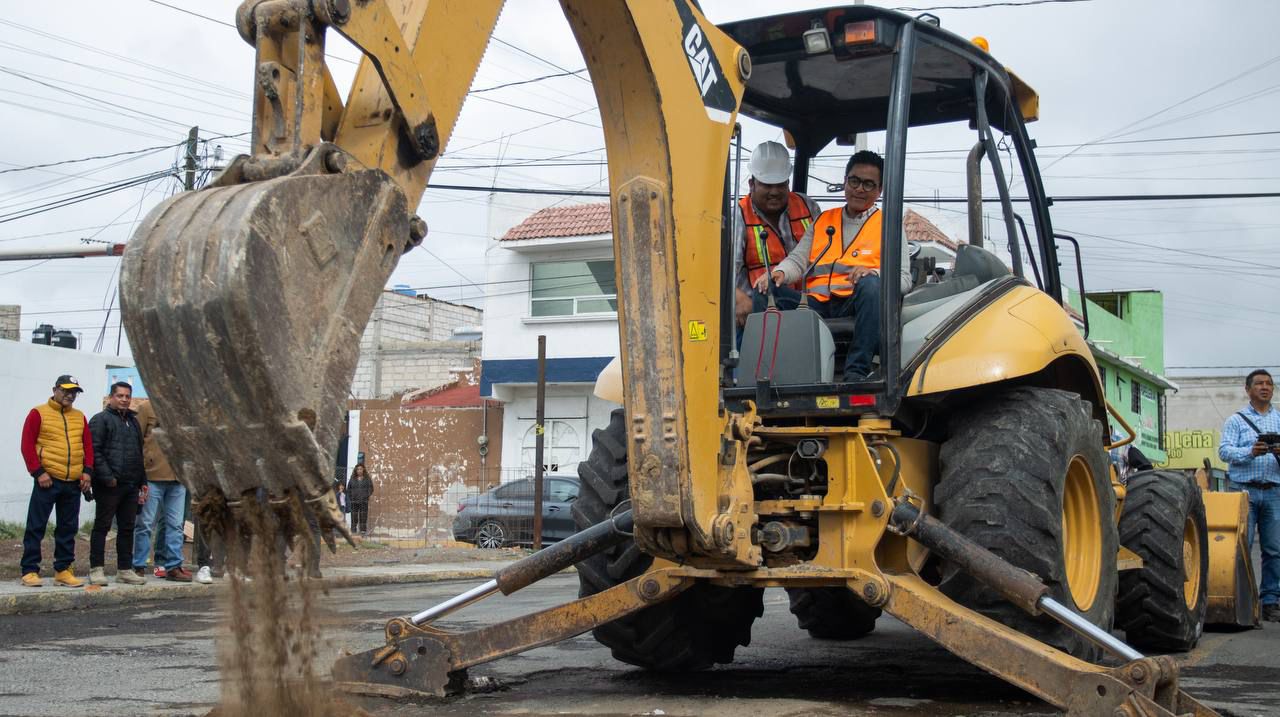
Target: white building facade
<point x="551" y="275"/>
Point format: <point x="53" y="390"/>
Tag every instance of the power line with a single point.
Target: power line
<point x="92" y="194"/>
<point x="529" y="81"/>
<point x="207" y="85"/>
<point x="116" y="154"/>
<point x="195" y="14"/>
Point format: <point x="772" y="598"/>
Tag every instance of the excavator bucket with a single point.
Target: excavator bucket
<point x="245" y="303"/>
<point x="1233" y="591"/>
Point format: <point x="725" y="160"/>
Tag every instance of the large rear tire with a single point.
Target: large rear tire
<point x="698" y="628"/>
<point x="832" y="613"/>
<point x="1025" y="474"/>
<point x="1162" y="605"/>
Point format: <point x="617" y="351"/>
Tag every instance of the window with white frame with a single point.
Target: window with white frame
<point x="573" y="288"/>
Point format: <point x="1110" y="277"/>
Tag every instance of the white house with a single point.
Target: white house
<point x="552" y="275"/>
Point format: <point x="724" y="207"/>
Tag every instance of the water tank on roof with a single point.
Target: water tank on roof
<point x="63" y="338"/>
<point x="404" y="289"/>
<point x="42" y="334"/>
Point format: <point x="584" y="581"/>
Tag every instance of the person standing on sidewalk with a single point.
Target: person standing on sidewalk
<point x="117" y="445"/>
<point x="165" y="499"/>
<point x="359" y="491"/>
<point x="58" y="451"/>
<point x="1254" y="467"/>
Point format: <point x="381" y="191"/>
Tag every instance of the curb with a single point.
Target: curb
<point x="53" y="598"/>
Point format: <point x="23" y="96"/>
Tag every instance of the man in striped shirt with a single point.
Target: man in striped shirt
<point x="1254" y="465"/>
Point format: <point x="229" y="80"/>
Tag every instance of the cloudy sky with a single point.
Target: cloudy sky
<point x="1137" y="97"/>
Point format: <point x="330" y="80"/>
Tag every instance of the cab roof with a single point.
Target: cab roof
<point x="845" y="90"/>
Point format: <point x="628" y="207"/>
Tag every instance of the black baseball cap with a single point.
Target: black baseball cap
<point x="68" y="382"/>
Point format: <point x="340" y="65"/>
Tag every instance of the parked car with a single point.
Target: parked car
<point x="503" y="516"/>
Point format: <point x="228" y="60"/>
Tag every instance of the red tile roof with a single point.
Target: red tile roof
<point x="589" y="219"/>
<point x="455" y="396"/>
<point x="919" y="229"/>
<point x="574" y="221"/>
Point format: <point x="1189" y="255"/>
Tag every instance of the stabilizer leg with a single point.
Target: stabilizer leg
<point x="424" y="659"/>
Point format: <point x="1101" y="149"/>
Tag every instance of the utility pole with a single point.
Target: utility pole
<point x="189" y="183"/>
<point x="540" y="430"/>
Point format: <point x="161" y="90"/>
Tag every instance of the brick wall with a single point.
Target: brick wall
<point x="407" y="345"/>
<point x="423" y="461"/>
<point x="10" y="320"/>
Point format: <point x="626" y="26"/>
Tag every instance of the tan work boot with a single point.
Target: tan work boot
<point x="32" y="580"/>
<point x="130" y="577"/>
<point x="97" y="576"/>
<point x="67" y="578"/>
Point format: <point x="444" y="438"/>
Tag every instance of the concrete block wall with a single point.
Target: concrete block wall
<point x="10" y="321"/>
<point x="407" y="345"/>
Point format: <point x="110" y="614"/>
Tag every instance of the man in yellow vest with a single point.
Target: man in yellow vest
<point x="839" y="261"/>
<point x="772" y="219"/>
<point x="58" y="450"/>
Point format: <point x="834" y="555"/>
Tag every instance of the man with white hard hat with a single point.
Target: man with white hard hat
<point x="773" y="220"/>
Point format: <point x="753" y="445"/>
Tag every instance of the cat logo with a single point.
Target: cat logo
<point x="699" y="59"/>
<point x="717" y="96"/>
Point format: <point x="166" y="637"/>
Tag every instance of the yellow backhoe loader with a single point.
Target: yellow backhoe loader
<point x="963" y="487"/>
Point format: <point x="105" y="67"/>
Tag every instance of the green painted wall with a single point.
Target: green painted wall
<point x="1137" y="334"/>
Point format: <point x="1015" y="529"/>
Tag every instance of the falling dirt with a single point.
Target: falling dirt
<point x="268" y="653"/>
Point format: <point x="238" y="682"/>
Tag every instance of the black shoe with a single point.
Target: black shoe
<point x="1271" y="613"/>
<point x="854" y="377"/>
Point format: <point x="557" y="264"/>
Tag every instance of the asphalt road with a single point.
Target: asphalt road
<point x="160" y="659"/>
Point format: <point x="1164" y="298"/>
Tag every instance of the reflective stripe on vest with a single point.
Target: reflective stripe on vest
<point x="60" y="443"/>
<point x="831" y="261"/>
<point x="764" y="246"/>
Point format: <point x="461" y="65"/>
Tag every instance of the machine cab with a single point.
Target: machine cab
<point x="826" y="76"/>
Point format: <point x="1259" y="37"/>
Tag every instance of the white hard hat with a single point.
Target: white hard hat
<point x="770" y="163"/>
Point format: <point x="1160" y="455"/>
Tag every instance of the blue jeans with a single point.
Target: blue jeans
<point x="1264" y="521"/>
<point x="864" y="305"/>
<point x="65" y="495"/>
<point x="168" y="498"/>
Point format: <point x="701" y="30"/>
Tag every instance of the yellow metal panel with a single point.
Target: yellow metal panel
<point x="448" y="38"/>
<point x="1018" y="334"/>
<point x="1232" y="589"/>
<point x="667" y="157"/>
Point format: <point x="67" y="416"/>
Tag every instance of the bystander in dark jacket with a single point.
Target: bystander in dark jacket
<point x="120" y="475"/>
<point x="359" y="491"/>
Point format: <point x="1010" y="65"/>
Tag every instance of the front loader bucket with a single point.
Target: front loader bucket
<point x="1232" y="590"/>
<point x="244" y="306"/>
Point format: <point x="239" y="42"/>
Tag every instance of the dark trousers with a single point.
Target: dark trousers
<point x="65" y="496"/>
<point x="210" y="551"/>
<point x="863" y="304"/>
<point x="360" y="516"/>
<point x="120" y="503"/>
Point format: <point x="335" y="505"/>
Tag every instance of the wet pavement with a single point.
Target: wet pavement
<point x="159" y="658"/>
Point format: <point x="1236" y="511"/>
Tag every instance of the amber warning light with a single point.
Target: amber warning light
<point x="860" y="33"/>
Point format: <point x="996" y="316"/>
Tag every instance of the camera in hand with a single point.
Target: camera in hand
<point x="1271" y="439"/>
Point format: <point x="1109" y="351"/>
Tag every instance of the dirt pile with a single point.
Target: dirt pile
<point x="268" y="653"/>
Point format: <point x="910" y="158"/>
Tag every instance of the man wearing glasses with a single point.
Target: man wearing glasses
<point x="844" y="280"/>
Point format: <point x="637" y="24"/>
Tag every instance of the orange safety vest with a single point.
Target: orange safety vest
<point x="764" y="246"/>
<point x="832" y="262"/>
<point x="60" y="443"/>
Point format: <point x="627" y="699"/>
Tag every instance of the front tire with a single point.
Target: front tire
<point x="696" y="629"/>
<point x="1025" y="474"/>
<point x="1162" y="605"/>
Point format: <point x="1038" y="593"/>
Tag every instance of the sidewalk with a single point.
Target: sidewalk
<point x="17" y="599"/>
